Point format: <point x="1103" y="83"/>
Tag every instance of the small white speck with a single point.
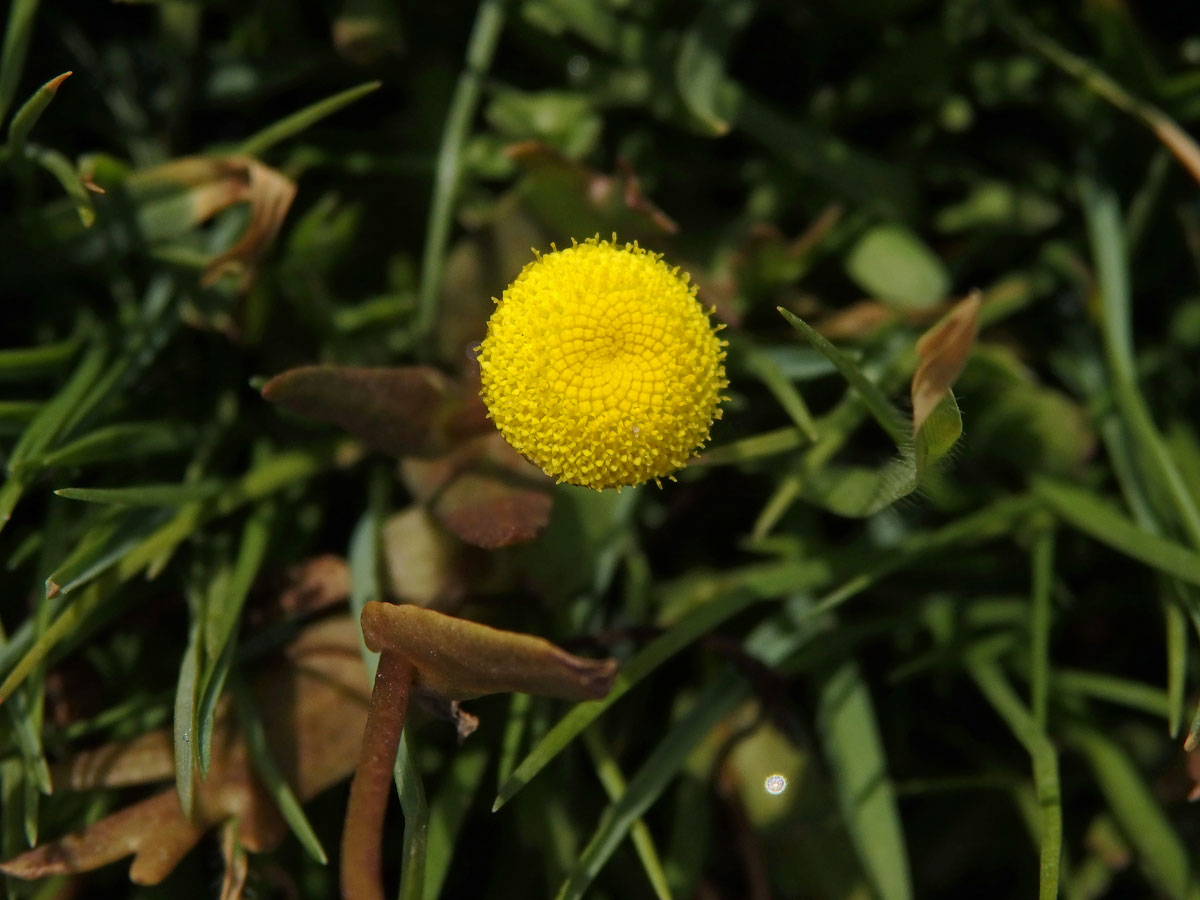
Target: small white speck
<point x="636" y="431"/>
<point x="775" y="784"/>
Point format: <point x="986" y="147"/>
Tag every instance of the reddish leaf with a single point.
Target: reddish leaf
<point x="397" y="411"/>
<point x="484" y="492"/>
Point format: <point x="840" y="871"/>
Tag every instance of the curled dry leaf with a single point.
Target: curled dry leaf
<point x="214" y="183"/>
<point x="313" y="706"/>
<point x="942" y="352"/>
<point x="457" y="659"/>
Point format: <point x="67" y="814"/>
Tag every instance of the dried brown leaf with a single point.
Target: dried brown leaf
<point x="942" y="352"/>
<point x="484" y="492"/>
<point x="313" y="707"/>
<point x="457" y="659"/>
<point x="398" y="411"/>
<point x="424" y="565"/>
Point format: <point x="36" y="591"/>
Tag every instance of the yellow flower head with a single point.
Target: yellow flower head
<point x="601" y="367"/>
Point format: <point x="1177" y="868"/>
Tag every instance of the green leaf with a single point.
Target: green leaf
<point x="64" y="171"/>
<point x="654" y="654"/>
<point x="613" y="781"/>
<point x="222" y="611"/>
<point x="146" y="494"/>
<point x="185" y="719"/>
<point x="124" y="440"/>
<point x="850" y="735"/>
<point x="889" y="418"/>
<point x="31" y="362"/>
<point x="448" y="811"/>
<point x="711" y="706"/>
<point x="893" y="264"/>
<point x="416" y="820"/>
<point x="268" y="772"/>
<point x="700" y="66"/>
<point x="12" y="52"/>
<point x="1099" y="520"/>
<point x="292" y="125"/>
<point x="1161" y="853"/>
<point x="991" y="682"/>
<point x="28" y="114"/>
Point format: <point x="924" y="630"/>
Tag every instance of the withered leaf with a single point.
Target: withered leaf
<point x="484" y="492"/>
<point x="313" y="706"/>
<point x="424" y="565"/>
<point x="943" y="351"/>
<point x="398" y="411"/>
<point x="210" y="184"/>
<point x="458" y="659"/>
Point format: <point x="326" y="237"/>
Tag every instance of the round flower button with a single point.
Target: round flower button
<point x="601" y="367"/>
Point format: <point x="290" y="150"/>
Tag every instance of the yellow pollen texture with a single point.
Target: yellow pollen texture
<point x="601" y="367"/>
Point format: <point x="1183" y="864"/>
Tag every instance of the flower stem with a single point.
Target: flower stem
<point x="362" y="877"/>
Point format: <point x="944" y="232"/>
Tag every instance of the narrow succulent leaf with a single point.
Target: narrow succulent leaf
<point x="458" y="659"/>
<point x="854" y="749"/>
<point x="889" y="418"/>
<point x="27" y="116"/>
<point x="292" y="125"/>
<point x="1083" y="510"/>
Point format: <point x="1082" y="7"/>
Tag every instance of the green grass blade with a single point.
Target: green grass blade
<point x="712" y="705"/>
<point x="270" y="775"/>
<point x="850" y="736"/>
<point x="1111" y="689"/>
<point x="668" y="757"/>
<point x="654" y="654"/>
<point x="449" y="810"/>
<point x="146" y="494"/>
<point x="101" y="547"/>
<point x="1176" y="624"/>
<point x="784" y="392"/>
<point x="890" y="419"/>
<point x="185" y="719"/>
<point x="124" y="440"/>
<point x="222" y="615"/>
<point x="481" y="47"/>
<point x="17" y="34"/>
<point x="65" y="173"/>
<point x="27" y="116"/>
<point x="613" y="782"/>
<point x="1004" y="700"/>
<point x="1097" y="519"/>
<point x="1040" y="622"/>
<point x="34" y="362"/>
<point x="416" y="820"/>
<point x="1102" y="215"/>
<point x="264" y="140"/>
<point x="514" y="735"/>
<point x="1160" y="851"/>
<point x="43" y="430"/>
<point x="758" y="446"/>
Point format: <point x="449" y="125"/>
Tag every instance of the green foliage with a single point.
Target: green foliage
<point x="969" y="648"/>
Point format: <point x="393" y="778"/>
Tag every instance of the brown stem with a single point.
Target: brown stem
<point x="362" y="875"/>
